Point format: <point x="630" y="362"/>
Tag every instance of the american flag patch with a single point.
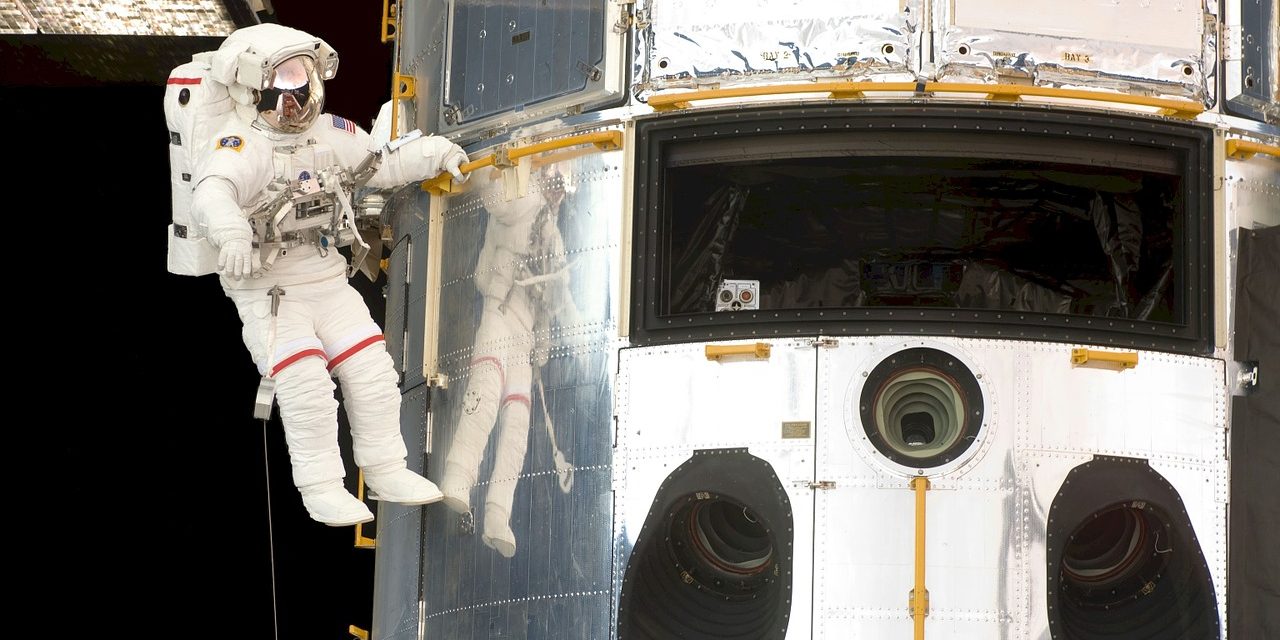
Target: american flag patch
<point x="342" y="123"/>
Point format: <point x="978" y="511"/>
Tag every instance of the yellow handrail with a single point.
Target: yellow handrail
<point x="1244" y="149"/>
<point x="919" y="595"/>
<point x="603" y="140"/>
<point x="357" y="632"/>
<point x="837" y="90"/>
<point x="759" y="350"/>
<point x="1104" y="359"/>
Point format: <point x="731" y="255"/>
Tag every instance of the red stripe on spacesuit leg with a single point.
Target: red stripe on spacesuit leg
<point x="337" y="360"/>
<point x="184" y="81"/>
<point x="517" y="397"/>
<point x="497" y="364"/>
<point x="294" y="358"/>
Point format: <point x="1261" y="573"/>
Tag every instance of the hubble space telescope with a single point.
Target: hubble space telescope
<point x="811" y="319"/>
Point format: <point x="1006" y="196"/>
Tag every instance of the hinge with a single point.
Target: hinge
<point x="1232" y="42"/>
<point x="624" y="15"/>
<point x="825" y="485"/>
<point x="438" y="380"/>
<point x="826" y="342"/>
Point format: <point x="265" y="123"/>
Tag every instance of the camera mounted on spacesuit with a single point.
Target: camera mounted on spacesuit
<point x="275" y="75"/>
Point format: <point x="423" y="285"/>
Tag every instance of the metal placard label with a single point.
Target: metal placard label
<point x="798" y="429"/>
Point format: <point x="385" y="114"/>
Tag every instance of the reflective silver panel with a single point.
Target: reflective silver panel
<point x="396" y="577"/>
<point x="527" y="339"/>
<point x="729" y="42"/>
<point x="1092" y="45"/>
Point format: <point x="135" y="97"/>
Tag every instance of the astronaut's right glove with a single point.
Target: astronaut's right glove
<point x="238" y="259"/>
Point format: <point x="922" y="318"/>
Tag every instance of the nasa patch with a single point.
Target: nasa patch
<point x="305" y="175"/>
<point x="235" y="143"/>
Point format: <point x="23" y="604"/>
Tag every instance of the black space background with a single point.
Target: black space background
<point x="143" y="503"/>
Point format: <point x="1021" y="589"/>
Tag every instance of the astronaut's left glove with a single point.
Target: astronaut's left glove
<point x="417" y="157"/>
<point x="238" y="259"/>
<point x="452" y="161"/>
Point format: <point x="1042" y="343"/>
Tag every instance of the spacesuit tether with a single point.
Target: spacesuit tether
<point x="270" y="197"/>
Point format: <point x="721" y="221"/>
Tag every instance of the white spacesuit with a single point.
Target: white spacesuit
<point x="523" y="278"/>
<point x="272" y="193"/>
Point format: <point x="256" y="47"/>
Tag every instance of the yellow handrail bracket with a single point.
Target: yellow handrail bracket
<point x="362" y="541"/>
<point x="1104" y="359"/>
<point x="758" y="351"/>
<point x="389" y="15"/>
<point x="1245" y="149"/>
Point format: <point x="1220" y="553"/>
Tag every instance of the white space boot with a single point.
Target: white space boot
<point x="497" y="530"/>
<point x="330" y="503"/>
<point x="395" y="483"/>
<point x="456" y="486"/>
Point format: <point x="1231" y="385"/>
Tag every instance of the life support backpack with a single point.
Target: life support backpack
<point x="195" y="106"/>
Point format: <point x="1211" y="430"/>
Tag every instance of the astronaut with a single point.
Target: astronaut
<point x="523" y="279"/>
<point x="272" y="193"/>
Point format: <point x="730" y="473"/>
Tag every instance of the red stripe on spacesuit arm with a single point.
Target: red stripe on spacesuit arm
<point x="294" y="358"/>
<point x="338" y="359"/>
<point x="184" y="81"/>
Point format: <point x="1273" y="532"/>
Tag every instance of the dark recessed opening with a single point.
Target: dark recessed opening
<point x="713" y="560"/>
<point x="976" y="222"/>
<point x="917" y="429"/>
<point x="1123" y="560"/>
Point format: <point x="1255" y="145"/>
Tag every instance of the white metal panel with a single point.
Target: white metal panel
<point x="1253" y="191"/>
<point x="986" y="520"/>
<point x="1163" y="409"/>
<point x="672" y="400"/>
<point x="865" y="525"/>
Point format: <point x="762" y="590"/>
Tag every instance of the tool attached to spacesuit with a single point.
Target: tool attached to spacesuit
<point x="316" y="210"/>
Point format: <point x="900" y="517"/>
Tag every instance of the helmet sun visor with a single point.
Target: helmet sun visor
<point x="295" y="96"/>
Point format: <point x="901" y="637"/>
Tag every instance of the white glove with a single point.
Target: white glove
<point x="414" y="157"/>
<point x="453" y="159"/>
<point x="238" y="259"/>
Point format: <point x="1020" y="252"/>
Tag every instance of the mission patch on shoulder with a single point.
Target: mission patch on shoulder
<point x="235" y="143"/>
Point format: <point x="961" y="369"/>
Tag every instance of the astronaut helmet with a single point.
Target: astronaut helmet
<point x="275" y="75"/>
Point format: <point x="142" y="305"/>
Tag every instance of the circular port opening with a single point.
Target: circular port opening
<point x="964" y="49"/>
<point x="887" y="49"/>
<point x="921" y="408"/>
